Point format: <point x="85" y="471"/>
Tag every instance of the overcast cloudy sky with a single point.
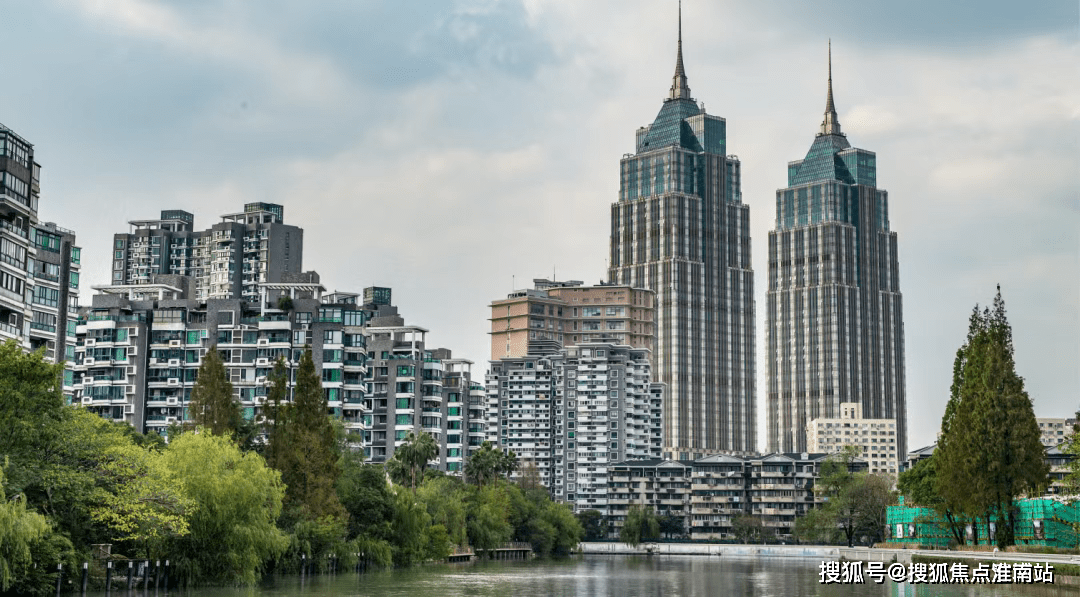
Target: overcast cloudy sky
<point x="443" y="147"/>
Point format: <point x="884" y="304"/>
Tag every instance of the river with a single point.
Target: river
<point x="609" y="576"/>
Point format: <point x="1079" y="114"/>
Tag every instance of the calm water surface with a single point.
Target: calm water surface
<point x="609" y="576"/>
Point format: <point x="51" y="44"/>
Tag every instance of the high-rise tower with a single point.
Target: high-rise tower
<point x="680" y="228"/>
<point x="835" y="330"/>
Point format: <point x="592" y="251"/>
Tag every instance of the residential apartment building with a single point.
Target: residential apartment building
<point x="662" y="486"/>
<point x="416" y="388"/>
<point x="226" y="261"/>
<point x="680" y="228"/>
<point x="711" y="492"/>
<point x="39" y="262"/>
<point x="834" y="319"/>
<point x="572" y="412"/>
<point x="140" y="347"/>
<point x="875" y="438"/>
<point x="1054" y="431"/>
<point x="570" y="313"/>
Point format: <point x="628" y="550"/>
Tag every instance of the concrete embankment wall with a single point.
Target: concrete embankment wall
<point x="821" y="552"/>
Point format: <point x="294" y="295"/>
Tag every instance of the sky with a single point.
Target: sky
<point x="455" y="149"/>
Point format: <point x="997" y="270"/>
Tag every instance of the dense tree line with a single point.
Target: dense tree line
<point x="225" y="506"/>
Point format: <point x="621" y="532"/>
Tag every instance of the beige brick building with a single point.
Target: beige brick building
<point x="571" y="313"/>
<point x="876" y="438"/>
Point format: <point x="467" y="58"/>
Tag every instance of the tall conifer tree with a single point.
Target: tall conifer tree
<point x="213" y="406"/>
<point x="989" y="452"/>
<point x="307" y="455"/>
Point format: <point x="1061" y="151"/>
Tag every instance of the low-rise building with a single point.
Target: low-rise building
<point x="876" y="439"/>
<point x="1054" y="431"/>
<point x="712" y="492"/>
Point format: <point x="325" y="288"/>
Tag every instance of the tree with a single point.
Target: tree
<point x="919" y="487"/>
<point x="306" y="450"/>
<point x="854" y="503"/>
<point x="237" y="500"/>
<point x="274" y="413"/>
<point x="672" y="526"/>
<point x="213" y="406"/>
<point x="482" y="465"/>
<point x="19" y="530"/>
<point x="31" y="404"/>
<point x="640" y="525"/>
<point x="747" y="528"/>
<point x="141" y="503"/>
<point x="976" y="477"/>
<point x="410" y="459"/>
<point x="594" y="523"/>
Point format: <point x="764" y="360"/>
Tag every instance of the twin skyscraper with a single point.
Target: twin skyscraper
<point x="834" y="326"/>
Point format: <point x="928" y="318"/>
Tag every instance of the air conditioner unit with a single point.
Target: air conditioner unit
<point x="262" y="342"/>
<point x="262" y="362"/>
<point x="89" y="342"/>
<point x="130" y="389"/>
<point x="88" y="361"/>
<point x="175" y="343"/>
<point x="133" y="350"/>
<point x="170" y="419"/>
<point x="174" y="362"/>
<point x="129" y="409"/>
<point x="133" y="331"/>
<point x="173" y="381"/>
<point x="171" y="401"/>
<point x="87" y="399"/>
<point x="153" y="361"/>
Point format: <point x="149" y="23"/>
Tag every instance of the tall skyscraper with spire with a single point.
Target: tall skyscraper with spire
<point x="835" y="330"/>
<point x="680" y="228"/>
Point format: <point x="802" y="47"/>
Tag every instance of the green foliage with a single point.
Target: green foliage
<point x="31" y="405"/>
<point x="411" y="523"/>
<point x="19" y="530"/>
<point x="980" y="478"/>
<point x="407" y="465"/>
<point x="317" y="540"/>
<point x="640" y="525"/>
<point x="487" y="526"/>
<point x="213" y="406"/>
<point x="747" y="528"/>
<point x="594" y="525"/>
<point x="919" y="487"/>
<point x="488" y="463"/>
<point x="304" y="447"/>
<point x="368" y="499"/>
<point x="141" y="501"/>
<point x="672" y="526"/>
<point x="444" y="498"/>
<point x="855" y="503"/>
<point x="237" y="501"/>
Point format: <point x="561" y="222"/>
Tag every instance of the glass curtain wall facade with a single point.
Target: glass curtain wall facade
<point x="835" y="330"/>
<point x="680" y="229"/>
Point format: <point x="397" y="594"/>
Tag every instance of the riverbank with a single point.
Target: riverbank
<point x="823" y="552"/>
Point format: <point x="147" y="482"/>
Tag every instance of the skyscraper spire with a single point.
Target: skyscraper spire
<point x="679" y="87"/>
<point x="831" y="124"/>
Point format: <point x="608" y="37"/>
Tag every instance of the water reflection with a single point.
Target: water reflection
<point x="610" y="576"/>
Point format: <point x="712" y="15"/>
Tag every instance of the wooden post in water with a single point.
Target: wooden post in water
<point x="85" y="574"/>
<point x="59" y="577"/>
<point x="131" y="571"/>
<point x="157" y="575"/>
<point x="108" y="577"/>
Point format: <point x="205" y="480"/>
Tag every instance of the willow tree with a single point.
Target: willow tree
<point x="989" y="452"/>
<point x="213" y="406"/>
